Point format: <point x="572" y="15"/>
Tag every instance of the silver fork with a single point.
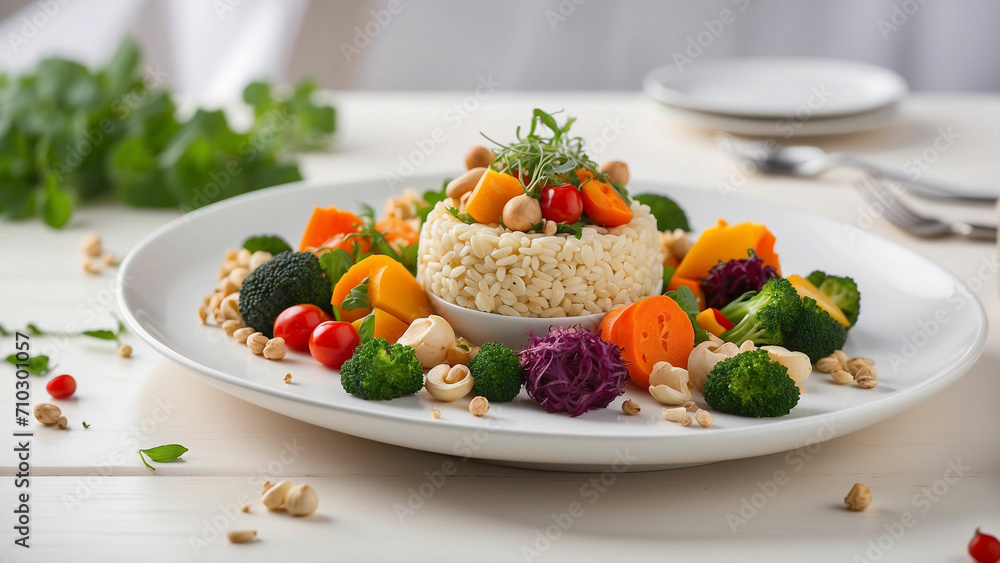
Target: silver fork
<point x="915" y="223"/>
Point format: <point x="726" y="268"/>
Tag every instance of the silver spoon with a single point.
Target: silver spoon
<point x="806" y="161"/>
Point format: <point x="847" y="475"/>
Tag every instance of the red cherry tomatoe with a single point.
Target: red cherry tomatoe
<point x="984" y="548"/>
<point x="332" y="343"/>
<point x="296" y="324"/>
<point x="61" y="386"/>
<point x="562" y="204"/>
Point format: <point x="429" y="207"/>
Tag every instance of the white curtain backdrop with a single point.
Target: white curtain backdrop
<point x="209" y="49"/>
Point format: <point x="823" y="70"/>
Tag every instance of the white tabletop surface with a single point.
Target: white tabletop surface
<point x="91" y="499"/>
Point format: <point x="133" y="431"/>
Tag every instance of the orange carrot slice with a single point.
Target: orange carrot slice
<point x="603" y="204"/>
<point x="652" y="330"/>
<point x="326" y="223"/>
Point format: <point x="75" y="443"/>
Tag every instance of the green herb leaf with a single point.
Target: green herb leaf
<point x="463" y="217"/>
<point x="69" y="133"/>
<point x="432" y="198"/>
<point x="684" y="297"/>
<point x="335" y="264"/>
<point x="367" y="328"/>
<point x="36" y="365"/>
<point x="34" y="330"/>
<point x="358" y="297"/>
<point x="407" y="256"/>
<point x="4" y="331"/>
<point x="100" y="334"/>
<point x="669" y="215"/>
<point x="668" y="274"/>
<point x="162" y="454"/>
<point x="538" y="159"/>
<point x="58" y="207"/>
<point x="575" y="229"/>
<point x="268" y="243"/>
<point x="85" y="425"/>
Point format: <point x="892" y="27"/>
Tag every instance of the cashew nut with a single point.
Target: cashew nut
<point x="461" y="352"/>
<point x="449" y="383"/>
<point x="431" y="338"/>
<point x="616" y="170"/>
<point x="274" y="498"/>
<point x="301" y="500"/>
<point x="478" y="157"/>
<point x="798" y="364"/>
<point x="229" y="308"/>
<point x="669" y="384"/>
<point x="465" y="183"/>
<point x="704" y="357"/>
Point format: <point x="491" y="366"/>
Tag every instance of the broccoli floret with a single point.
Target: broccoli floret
<point x="763" y="317"/>
<point x="379" y="371"/>
<point x="290" y="278"/>
<point x="496" y="373"/>
<point x="816" y="333"/>
<point x="750" y="384"/>
<point x="843" y="291"/>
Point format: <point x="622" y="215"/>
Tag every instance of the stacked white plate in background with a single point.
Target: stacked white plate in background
<point x="779" y="96"/>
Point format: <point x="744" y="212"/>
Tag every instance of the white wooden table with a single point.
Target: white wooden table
<point x="91" y="499"/>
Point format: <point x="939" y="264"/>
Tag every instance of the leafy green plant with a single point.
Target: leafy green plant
<point x="552" y="158"/>
<point x="69" y="134"/>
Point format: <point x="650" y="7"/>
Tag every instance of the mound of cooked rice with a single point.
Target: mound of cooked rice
<point x="519" y="274"/>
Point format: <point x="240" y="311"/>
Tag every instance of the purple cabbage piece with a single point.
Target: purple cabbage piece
<point x="572" y="370"/>
<point x="727" y="281"/>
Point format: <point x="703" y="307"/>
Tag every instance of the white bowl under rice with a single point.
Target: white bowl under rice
<point x="495" y="270"/>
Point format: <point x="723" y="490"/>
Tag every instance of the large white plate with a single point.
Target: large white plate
<point x="775" y="87"/>
<point x="921" y="325"/>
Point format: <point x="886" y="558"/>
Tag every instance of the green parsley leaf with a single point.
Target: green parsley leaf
<point x="335" y="264"/>
<point x="432" y="198"/>
<point x="668" y="274"/>
<point x="101" y="334"/>
<point x="358" y="297"/>
<point x="684" y="297"/>
<point x="367" y="328"/>
<point x="463" y="217"/>
<point x="36" y="365"/>
<point x="575" y="229"/>
<point x="85" y="425"/>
